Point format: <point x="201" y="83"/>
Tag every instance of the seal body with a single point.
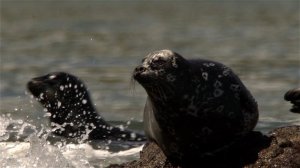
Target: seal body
<point x="194" y="107"/>
<point x="72" y="113"/>
<point x="293" y="96"/>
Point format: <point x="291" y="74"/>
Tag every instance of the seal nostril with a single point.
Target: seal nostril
<point x="140" y="69"/>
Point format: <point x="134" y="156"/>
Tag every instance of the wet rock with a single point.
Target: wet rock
<point x="284" y="150"/>
<point x="280" y="148"/>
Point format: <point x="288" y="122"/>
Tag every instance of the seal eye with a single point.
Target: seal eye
<point x="157" y="63"/>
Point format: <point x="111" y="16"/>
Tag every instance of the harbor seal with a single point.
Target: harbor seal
<point x="194" y="107"/>
<point x="72" y="113"/>
<point x="293" y="96"/>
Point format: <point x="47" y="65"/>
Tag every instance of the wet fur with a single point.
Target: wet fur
<point x="187" y="116"/>
<point x="72" y="114"/>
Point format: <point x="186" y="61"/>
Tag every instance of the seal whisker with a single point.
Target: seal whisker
<point x="132" y="85"/>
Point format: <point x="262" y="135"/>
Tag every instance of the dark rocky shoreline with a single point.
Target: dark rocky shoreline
<point x="280" y="148"/>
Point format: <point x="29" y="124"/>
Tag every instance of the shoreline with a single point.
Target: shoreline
<point x="280" y="147"/>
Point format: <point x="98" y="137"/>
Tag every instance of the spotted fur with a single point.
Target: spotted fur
<point x="194" y="107"/>
<point x="72" y="113"/>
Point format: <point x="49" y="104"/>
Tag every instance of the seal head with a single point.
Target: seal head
<point x="293" y="96"/>
<point x="194" y="107"/>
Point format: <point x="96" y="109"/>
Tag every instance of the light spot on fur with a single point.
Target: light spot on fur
<point x="218" y="92"/>
<point x="235" y="87"/>
<point x="226" y="71"/>
<point x="220" y="109"/>
<point x="206" y="131"/>
<point x="171" y="78"/>
<point x="209" y="64"/>
<point x="174" y="64"/>
<point x="217" y="84"/>
<point x="205" y="75"/>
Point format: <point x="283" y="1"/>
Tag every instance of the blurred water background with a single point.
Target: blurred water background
<point x="101" y="42"/>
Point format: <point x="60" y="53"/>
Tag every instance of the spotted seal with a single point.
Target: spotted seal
<point x="293" y="96"/>
<point x="72" y="113"/>
<point x="194" y="107"/>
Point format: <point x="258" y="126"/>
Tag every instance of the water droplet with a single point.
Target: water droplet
<point x="20" y="121"/>
<point x="41" y="96"/>
<point x="52" y="76"/>
<point x="84" y="101"/>
<point x="133" y="135"/>
<point x="58" y="104"/>
<point x="47" y="114"/>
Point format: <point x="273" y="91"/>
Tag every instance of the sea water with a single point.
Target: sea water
<point x="101" y="42"/>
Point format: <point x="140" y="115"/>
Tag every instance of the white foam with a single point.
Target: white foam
<point x="37" y="152"/>
<point x="3" y="124"/>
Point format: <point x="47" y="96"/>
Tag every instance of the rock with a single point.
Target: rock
<point x="150" y="156"/>
<point x="280" y="148"/>
<point x="284" y="150"/>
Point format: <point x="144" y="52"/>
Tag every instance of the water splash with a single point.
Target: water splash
<point x="24" y="145"/>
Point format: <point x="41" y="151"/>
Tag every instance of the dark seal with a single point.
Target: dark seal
<point x="293" y="96"/>
<point x="72" y="113"/>
<point x="194" y="107"/>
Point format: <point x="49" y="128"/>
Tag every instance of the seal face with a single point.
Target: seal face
<point x="194" y="107"/>
<point x="72" y="113"/>
<point x="293" y="96"/>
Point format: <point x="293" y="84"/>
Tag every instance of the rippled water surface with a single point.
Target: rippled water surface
<point x="102" y="42"/>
